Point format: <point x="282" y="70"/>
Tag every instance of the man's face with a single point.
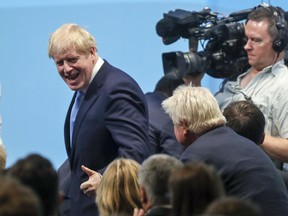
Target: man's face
<point x="74" y="68"/>
<point x="259" y="45"/>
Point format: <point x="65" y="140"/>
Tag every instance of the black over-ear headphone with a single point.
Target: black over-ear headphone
<point x="279" y="44"/>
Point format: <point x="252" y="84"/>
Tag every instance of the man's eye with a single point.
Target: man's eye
<point x="256" y="40"/>
<point x="60" y="63"/>
<point x="73" y="60"/>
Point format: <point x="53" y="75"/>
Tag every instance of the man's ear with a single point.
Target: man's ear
<point x="186" y="132"/>
<point x="146" y="205"/>
<point x="262" y="139"/>
<point x="183" y="124"/>
<point x="190" y="137"/>
<point x="93" y="50"/>
<point x="143" y="196"/>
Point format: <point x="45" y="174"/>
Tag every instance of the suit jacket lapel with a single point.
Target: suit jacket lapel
<point x="83" y="109"/>
<point x="89" y="99"/>
<point x="67" y="127"/>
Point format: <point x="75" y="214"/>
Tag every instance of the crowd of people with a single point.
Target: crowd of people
<point x="179" y="150"/>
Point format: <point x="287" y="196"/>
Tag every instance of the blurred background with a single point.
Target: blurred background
<point x="34" y="99"/>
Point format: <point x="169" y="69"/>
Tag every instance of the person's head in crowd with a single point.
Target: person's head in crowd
<point x="17" y="199"/>
<point x="118" y="191"/>
<point x="153" y="179"/>
<point x="193" y="187"/>
<point x="168" y="83"/>
<point x="246" y="119"/>
<point x="74" y="40"/>
<point x="38" y="173"/>
<point x="194" y="111"/>
<point x="228" y="206"/>
<point x="266" y="35"/>
<point x="3" y="157"/>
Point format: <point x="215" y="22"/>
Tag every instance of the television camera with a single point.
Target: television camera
<point x="222" y="40"/>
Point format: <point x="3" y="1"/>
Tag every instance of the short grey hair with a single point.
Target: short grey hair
<point x="154" y="177"/>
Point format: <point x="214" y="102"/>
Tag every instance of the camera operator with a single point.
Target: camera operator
<point x="265" y="83"/>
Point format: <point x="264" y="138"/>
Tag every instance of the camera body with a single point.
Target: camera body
<point x="222" y="40"/>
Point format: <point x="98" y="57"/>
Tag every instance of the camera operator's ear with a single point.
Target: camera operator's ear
<point x="193" y="80"/>
<point x="279" y="44"/>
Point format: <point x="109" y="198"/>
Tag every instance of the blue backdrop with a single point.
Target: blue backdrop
<point x="34" y="99"/>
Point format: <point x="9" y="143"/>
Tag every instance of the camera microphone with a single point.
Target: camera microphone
<point x="168" y="31"/>
<point x="240" y="15"/>
<point x="170" y="40"/>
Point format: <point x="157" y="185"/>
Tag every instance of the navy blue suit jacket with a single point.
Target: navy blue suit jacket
<point x="161" y="129"/>
<point x="64" y="183"/>
<point x="245" y="169"/>
<point x="112" y="122"/>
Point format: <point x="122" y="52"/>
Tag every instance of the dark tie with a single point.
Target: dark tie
<point x="74" y="111"/>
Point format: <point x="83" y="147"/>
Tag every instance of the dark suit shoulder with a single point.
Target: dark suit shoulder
<point x="159" y="211"/>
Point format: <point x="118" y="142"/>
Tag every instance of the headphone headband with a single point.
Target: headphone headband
<point x="280" y="42"/>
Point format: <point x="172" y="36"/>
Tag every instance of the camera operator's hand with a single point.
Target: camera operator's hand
<point x="194" y="80"/>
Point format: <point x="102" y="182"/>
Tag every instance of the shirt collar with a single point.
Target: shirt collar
<point x="270" y="68"/>
<point x="96" y="68"/>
